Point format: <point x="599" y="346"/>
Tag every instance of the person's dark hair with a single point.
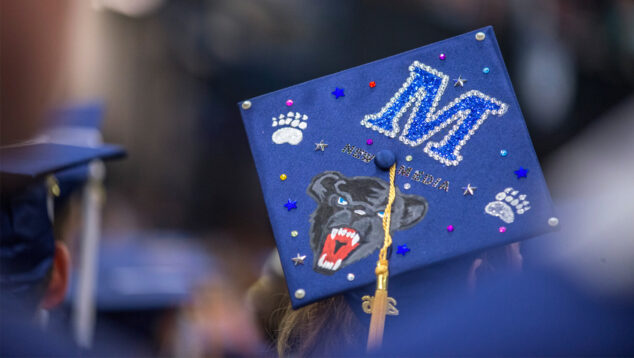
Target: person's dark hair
<point x="320" y="329"/>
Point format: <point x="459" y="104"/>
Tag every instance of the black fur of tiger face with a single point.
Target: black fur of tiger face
<point x="348" y="222"/>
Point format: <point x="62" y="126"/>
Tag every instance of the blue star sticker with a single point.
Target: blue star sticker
<point x="521" y="173"/>
<point x="291" y="204"/>
<point x="403" y="249"/>
<point x="338" y="92"/>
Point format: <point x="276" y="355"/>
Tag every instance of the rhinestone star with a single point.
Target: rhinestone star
<point x="403" y="249"/>
<point x="459" y="82"/>
<point x="521" y="173"/>
<point x="291" y="204"/>
<point x="299" y="259"/>
<point x="469" y="190"/>
<point x="338" y="92"/>
<point x="321" y="145"/>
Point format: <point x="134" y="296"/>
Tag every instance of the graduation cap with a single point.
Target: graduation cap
<point x="29" y="162"/>
<point x="148" y="270"/>
<point x="395" y="165"/>
<point x="26" y="245"/>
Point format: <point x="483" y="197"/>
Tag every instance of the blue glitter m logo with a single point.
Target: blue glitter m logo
<point x="423" y="90"/>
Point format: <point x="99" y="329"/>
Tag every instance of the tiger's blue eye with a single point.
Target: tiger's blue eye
<point x="380" y="214"/>
<point x="342" y="201"/>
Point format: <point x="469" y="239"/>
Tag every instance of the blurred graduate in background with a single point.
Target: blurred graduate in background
<point x="35" y="258"/>
<point x="51" y="186"/>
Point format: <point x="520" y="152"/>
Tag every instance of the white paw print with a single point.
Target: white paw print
<point x="507" y="204"/>
<point x="292" y="125"/>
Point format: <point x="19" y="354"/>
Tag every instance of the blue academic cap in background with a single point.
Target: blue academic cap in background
<point x="445" y="115"/>
<point x="32" y="161"/>
<point x="27" y="243"/>
<point x="148" y="270"/>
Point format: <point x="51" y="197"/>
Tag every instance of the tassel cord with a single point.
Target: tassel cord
<point x="379" y="304"/>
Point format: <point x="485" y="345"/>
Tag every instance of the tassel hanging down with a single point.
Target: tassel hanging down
<point x="380" y="301"/>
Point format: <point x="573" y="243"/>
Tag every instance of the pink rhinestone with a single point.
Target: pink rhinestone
<point x="450" y="228"/>
<point x="442" y="56"/>
<point x="502" y="229"/>
<point x="369" y="142"/>
<point x="289" y="102"/>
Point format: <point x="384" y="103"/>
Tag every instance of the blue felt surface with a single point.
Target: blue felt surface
<point x="40" y="159"/>
<point x="337" y="121"/>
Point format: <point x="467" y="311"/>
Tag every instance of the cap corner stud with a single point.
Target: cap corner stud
<point x="553" y="221"/>
<point x="300" y="293"/>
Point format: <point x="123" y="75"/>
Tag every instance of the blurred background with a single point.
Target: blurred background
<point x="168" y="75"/>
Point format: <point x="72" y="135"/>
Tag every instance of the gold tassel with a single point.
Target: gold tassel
<point x="380" y="300"/>
<point x="379" y="310"/>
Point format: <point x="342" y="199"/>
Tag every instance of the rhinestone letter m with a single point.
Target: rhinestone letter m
<point x="423" y="90"/>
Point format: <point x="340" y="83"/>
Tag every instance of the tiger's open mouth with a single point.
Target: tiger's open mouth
<point x="338" y="245"/>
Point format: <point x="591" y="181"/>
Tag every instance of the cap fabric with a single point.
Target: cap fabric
<point x="27" y="243"/>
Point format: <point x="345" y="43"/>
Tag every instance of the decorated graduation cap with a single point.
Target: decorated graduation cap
<point x="396" y="165"/>
<point x="27" y="243"/>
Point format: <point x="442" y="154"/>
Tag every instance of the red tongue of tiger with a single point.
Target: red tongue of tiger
<point x="339" y="244"/>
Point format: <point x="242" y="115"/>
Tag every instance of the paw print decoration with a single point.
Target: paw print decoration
<point x="289" y="128"/>
<point x="508" y="203"/>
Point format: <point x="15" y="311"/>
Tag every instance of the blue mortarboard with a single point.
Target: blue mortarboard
<point x="444" y="117"/>
<point x="26" y="244"/>
<point x="148" y="270"/>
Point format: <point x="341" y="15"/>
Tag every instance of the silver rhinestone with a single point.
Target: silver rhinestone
<point x="350" y="277"/>
<point x="246" y="104"/>
<point x="407" y="186"/>
<point x="300" y="293"/>
<point x="553" y="221"/>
